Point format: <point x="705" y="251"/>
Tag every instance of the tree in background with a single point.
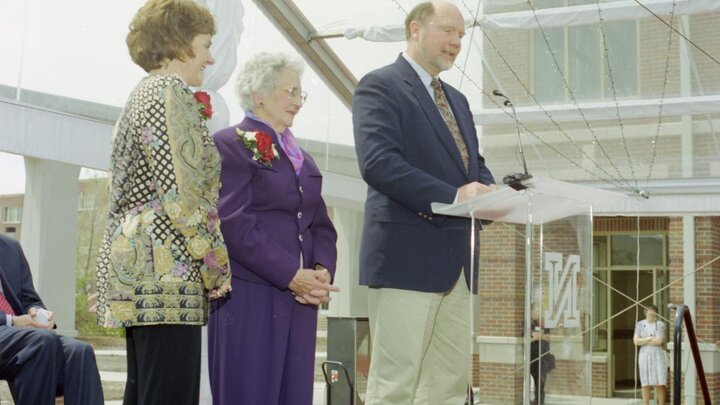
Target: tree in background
<point x="92" y="214"/>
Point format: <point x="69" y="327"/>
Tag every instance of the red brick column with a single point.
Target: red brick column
<point x="707" y="293"/>
<point x="501" y="312"/>
<point x="707" y="288"/>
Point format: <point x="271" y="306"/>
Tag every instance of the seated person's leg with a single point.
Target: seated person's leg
<point x="80" y="382"/>
<point x="32" y="359"/>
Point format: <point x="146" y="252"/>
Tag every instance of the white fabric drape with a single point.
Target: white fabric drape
<point x="552" y="17"/>
<point x="229" y="27"/>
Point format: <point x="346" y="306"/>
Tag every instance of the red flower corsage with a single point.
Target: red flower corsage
<point x="260" y="144"/>
<point x="205" y="107"/>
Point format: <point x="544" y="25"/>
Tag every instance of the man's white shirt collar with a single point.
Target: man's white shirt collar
<point x="425" y="77"/>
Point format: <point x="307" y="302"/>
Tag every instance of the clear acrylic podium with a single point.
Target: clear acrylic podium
<point x="543" y="279"/>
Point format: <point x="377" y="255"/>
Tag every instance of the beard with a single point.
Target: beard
<point x="440" y="63"/>
<point x="443" y="64"/>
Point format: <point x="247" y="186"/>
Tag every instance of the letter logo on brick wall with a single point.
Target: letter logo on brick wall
<point x="562" y="290"/>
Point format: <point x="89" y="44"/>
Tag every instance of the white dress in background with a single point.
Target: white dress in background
<point x="652" y="361"/>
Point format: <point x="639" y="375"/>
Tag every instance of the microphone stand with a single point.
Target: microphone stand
<point x="515" y="180"/>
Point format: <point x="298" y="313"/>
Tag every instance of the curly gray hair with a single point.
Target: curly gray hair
<point x="260" y="75"/>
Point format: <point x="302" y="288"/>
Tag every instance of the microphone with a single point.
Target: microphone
<point x="515" y="180"/>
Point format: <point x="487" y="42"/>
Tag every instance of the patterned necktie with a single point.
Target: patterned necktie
<point x="5" y="305"/>
<point x="444" y="108"/>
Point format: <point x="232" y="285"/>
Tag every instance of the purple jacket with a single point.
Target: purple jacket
<point x="269" y="216"/>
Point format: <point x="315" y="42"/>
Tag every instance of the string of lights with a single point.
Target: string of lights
<point x="662" y="96"/>
<point x="612" y="180"/>
<point x="574" y="100"/>
<point x="616" y="181"/>
<point x="613" y="89"/>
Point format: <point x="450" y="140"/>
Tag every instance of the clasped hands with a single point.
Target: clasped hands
<point x="220" y="292"/>
<point x="31" y="320"/>
<point x="312" y="286"/>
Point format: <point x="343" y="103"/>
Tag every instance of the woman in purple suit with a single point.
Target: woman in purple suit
<point x="281" y="245"/>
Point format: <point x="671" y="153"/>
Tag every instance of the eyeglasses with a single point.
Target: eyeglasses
<point x="293" y="92"/>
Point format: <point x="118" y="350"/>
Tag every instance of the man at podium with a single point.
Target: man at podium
<point x="416" y="144"/>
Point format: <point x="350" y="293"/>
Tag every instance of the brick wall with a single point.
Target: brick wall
<point x="502" y="295"/>
<point x="707" y="284"/>
<point x="713" y="381"/>
<point x="500" y="384"/>
<point x="707" y="290"/>
<point x="568" y="378"/>
<point x="502" y="280"/>
<point x="704" y="32"/>
<point x="599" y="380"/>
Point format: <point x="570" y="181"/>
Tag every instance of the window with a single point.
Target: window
<point x="86" y="202"/>
<point x="12" y="214"/>
<point x="625" y="249"/>
<point x="579" y="51"/>
<point x="615" y="264"/>
<point x="600" y="305"/>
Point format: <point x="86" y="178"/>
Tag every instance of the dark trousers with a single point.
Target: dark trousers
<point x="41" y="364"/>
<point x="539" y="385"/>
<point x="163" y="365"/>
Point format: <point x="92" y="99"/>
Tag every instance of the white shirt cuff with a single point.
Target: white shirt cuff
<point x="8" y="320"/>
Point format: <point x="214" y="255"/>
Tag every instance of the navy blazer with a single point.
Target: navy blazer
<point x="409" y="159"/>
<point x="16" y="279"/>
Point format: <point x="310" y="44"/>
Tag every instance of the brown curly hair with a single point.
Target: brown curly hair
<point x="163" y="30"/>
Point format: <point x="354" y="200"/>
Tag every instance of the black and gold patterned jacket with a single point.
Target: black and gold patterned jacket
<point x="162" y="249"/>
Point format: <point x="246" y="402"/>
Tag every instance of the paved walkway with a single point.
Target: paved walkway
<point x="319" y="388"/>
<point x="319" y="397"/>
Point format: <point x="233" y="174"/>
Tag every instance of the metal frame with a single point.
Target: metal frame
<point x="683" y="314"/>
<point x="298" y="30"/>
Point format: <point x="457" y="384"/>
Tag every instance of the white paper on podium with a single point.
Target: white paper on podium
<point x="551" y="200"/>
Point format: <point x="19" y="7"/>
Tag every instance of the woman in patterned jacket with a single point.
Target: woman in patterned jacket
<point x="162" y="255"/>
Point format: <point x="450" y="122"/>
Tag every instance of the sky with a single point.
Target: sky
<point x="90" y="62"/>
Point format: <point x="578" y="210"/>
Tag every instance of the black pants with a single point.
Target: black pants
<point x="163" y="365"/>
<point x="40" y="364"/>
<point x="539" y="385"/>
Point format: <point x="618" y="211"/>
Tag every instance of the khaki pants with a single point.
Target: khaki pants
<point x="421" y="346"/>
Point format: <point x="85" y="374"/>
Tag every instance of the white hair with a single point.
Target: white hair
<point x="260" y="75"/>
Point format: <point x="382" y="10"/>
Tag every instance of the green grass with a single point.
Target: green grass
<point x="86" y="321"/>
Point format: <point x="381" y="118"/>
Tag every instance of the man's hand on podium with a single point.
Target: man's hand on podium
<point x="472" y="190"/>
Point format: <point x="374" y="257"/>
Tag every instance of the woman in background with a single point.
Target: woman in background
<point x="281" y="244"/>
<point x="541" y="360"/>
<point x="162" y="254"/>
<point x="650" y="337"/>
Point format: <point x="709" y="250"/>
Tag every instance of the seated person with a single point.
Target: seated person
<point x="40" y="363"/>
